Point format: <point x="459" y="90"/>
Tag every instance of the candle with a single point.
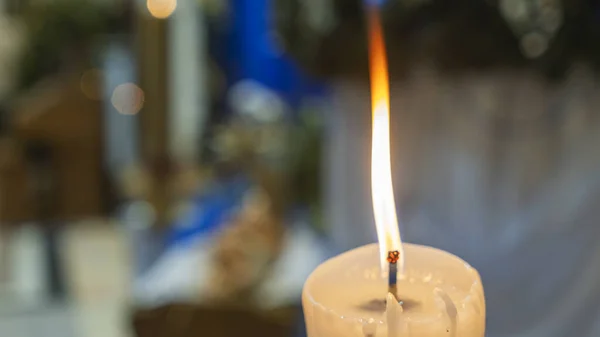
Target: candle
<point x="440" y="295"/>
<point x="391" y="289"/>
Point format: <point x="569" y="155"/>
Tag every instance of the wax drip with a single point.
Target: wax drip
<point x="393" y="311"/>
<point x="450" y="310"/>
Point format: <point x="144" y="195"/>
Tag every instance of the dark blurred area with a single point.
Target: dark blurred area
<point x="178" y="168"/>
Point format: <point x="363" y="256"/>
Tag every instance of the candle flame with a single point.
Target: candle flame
<point x="384" y="206"/>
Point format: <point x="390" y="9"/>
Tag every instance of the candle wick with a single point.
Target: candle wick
<point x="393" y="257"/>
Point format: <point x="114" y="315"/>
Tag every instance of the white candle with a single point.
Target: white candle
<point x="442" y="296"/>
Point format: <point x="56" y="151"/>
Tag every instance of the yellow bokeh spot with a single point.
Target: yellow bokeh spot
<point x="161" y="9"/>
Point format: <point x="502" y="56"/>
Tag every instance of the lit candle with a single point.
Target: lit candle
<point x="391" y="289"/>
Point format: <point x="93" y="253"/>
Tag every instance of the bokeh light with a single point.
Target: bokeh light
<point x="161" y="9"/>
<point x="128" y="98"/>
<point x="91" y="82"/>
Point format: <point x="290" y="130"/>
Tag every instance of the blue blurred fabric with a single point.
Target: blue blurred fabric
<point x="208" y="211"/>
<point x="247" y="50"/>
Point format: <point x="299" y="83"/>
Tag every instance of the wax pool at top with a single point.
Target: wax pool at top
<point x="351" y="297"/>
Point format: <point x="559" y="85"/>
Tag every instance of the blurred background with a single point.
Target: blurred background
<point x="168" y="167"/>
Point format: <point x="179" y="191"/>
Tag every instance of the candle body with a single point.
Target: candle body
<point x="442" y="296"/>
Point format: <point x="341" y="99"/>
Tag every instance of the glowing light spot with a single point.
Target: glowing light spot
<point x="90" y="84"/>
<point x="161" y="9"/>
<point x="534" y="44"/>
<point x="127" y="98"/>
